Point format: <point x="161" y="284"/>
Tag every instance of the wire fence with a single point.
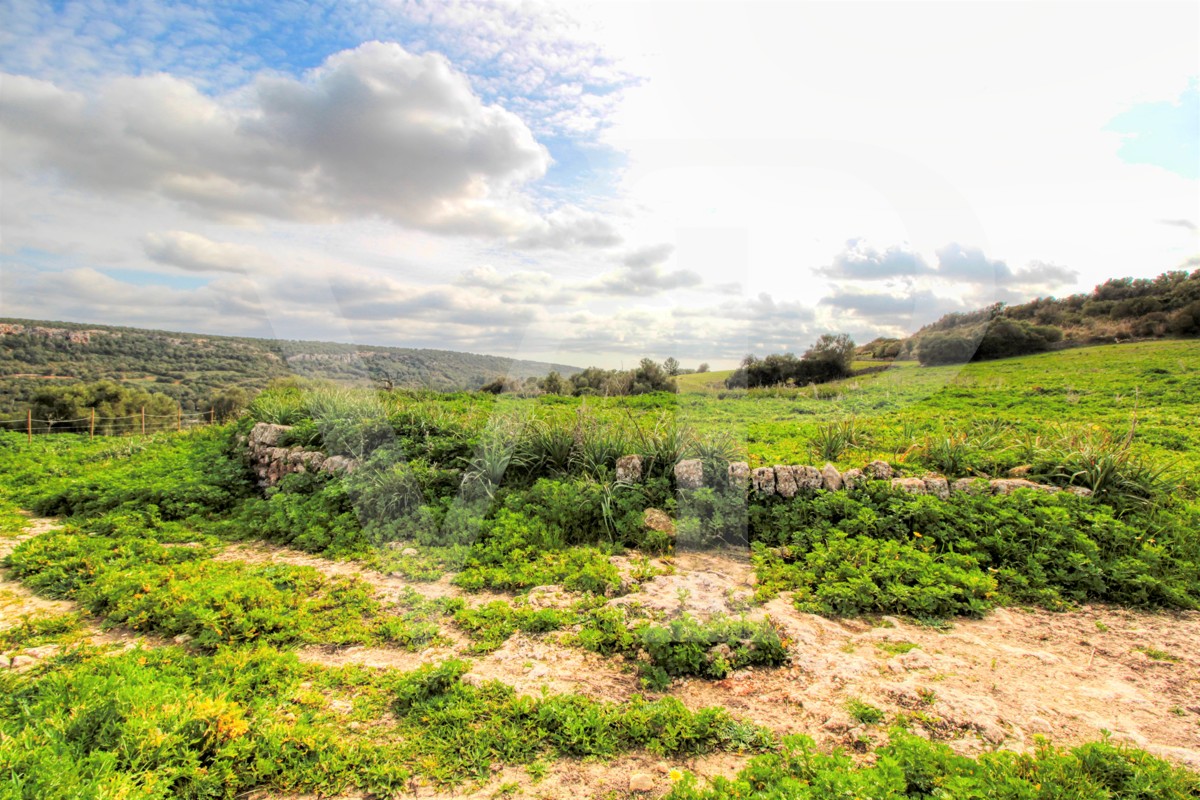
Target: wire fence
<point x="94" y="425"/>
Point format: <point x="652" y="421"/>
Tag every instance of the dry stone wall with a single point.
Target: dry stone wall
<point x="271" y="462"/>
<point x="790" y="480"/>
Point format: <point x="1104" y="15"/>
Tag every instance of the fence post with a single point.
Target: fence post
<point x="92" y="426"/>
<point x="212" y="416"/>
<point x="29" y="424"/>
<point x="143" y="420"/>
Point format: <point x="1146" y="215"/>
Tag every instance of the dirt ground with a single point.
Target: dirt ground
<point x="996" y="682"/>
<point x="17" y="602"/>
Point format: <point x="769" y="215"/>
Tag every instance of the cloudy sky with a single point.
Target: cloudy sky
<point x="587" y="183"/>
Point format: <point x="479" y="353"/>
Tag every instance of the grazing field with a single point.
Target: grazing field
<point x="479" y="607"/>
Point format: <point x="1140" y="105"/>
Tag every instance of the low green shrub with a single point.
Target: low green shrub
<point x="910" y="767"/>
<point x="175" y="591"/>
<point x="857" y="575"/>
<point x="877" y="548"/>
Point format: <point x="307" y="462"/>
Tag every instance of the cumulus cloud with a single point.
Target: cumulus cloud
<point x="518" y="287"/>
<point x="882" y="310"/>
<point x="762" y="308"/>
<point x="861" y="261"/>
<point x="195" y="253"/>
<point x="643" y="275"/>
<point x="375" y="131"/>
<point x="648" y="256"/>
<point x="969" y="264"/>
<point x="568" y="228"/>
<point x="645" y="282"/>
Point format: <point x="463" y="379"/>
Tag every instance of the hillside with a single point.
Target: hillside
<point x="1120" y="309"/>
<point x="191" y="367"/>
<point x="477" y="609"/>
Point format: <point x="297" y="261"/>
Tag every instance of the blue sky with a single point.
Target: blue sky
<point x="587" y="182"/>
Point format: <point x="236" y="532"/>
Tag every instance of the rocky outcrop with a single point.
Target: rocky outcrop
<point x="271" y="463"/>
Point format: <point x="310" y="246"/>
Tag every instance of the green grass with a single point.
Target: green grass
<point x="912" y="767"/>
<point x="234" y="711"/>
<point x="168" y="724"/>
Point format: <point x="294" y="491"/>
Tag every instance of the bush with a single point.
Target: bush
<point x="936" y="349"/>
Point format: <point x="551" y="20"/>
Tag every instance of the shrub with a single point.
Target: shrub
<point x="945" y="348"/>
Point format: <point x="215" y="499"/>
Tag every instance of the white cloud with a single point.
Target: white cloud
<point x="968" y="264"/>
<point x="859" y="260"/>
<point x="195" y="253"/>
<point x="375" y="131"/>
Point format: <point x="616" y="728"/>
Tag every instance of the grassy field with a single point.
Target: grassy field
<point x="464" y="504"/>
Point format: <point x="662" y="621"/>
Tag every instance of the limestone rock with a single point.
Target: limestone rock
<point x="45" y="651"/>
<point x="335" y="464"/>
<point x="264" y="434"/>
<point x="657" y="520"/>
<point x="1082" y="491"/>
<point x="808" y="478"/>
<point x="879" y="470"/>
<point x="629" y="469"/>
<point x="641" y="782"/>
<point x="739" y="474"/>
<point x="785" y="481"/>
<point x="851" y="478"/>
<point x="938" y="486"/>
<point x="1010" y="485"/>
<point x="831" y="478"/>
<point x="689" y="474"/>
<point x="1038" y="725"/>
<point x="22" y="661"/>
<point x="971" y="486"/>
<point x="764" y="480"/>
<point x="910" y="485"/>
<point x="915" y="659"/>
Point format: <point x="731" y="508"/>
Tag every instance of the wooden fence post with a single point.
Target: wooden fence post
<point x="92" y="426"/>
<point x="143" y="420"/>
<point x="29" y="424"/>
<point x="212" y="416"/>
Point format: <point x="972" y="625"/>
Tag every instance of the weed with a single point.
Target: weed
<point x="1154" y="654"/>
<point x="863" y="713"/>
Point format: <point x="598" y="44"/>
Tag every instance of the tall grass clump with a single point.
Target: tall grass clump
<point x="597" y="445"/>
<point x="495" y="453"/>
<point x="279" y="407"/>
<point x="831" y="439"/>
<point x="1107" y="465"/>
<point x="664" y="445"/>
<point x="547" y="446"/>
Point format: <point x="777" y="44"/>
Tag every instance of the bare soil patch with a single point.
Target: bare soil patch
<point x="996" y="682"/>
<point x="17" y="602"/>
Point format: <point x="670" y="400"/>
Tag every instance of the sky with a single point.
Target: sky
<point x="588" y="183"/>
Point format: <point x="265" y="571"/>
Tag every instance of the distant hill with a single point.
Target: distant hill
<point x="192" y="367"/>
<point x="1120" y="309"/>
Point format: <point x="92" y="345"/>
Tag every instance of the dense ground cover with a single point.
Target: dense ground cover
<point x="510" y="494"/>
